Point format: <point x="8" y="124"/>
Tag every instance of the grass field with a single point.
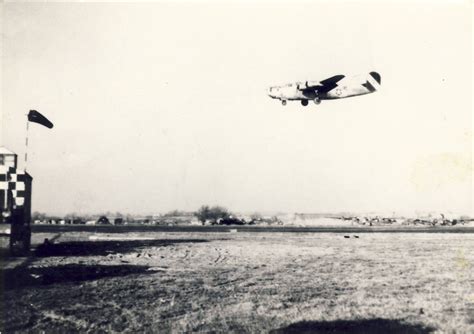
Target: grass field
<point x="243" y="282"/>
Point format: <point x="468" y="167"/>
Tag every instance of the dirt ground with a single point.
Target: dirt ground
<point x="242" y="282"/>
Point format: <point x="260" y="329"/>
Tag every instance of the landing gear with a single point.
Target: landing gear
<point x="304" y="102"/>
<point x="283" y="102"/>
<point x="317" y="100"/>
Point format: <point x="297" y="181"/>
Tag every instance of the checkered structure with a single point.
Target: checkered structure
<point x="12" y="187"/>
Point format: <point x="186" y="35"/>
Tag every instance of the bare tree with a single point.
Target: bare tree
<point x="211" y="213"/>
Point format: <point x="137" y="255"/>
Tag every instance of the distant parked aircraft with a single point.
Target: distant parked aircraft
<point x="336" y="87"/>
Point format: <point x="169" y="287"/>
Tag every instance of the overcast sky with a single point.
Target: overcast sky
<point x="161" y="106"/>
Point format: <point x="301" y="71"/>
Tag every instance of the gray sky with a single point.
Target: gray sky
<point x="161" y="106"/>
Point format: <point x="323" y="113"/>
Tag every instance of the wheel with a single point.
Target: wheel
<point x="283" y="102"/>
<point x="317" y="100"/>
<point x="304" y="102"/>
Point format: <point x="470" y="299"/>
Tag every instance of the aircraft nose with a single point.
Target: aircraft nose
<point x="270" y="92"/>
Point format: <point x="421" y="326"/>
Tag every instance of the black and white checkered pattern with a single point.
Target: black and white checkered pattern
<point x="12" y="187"/>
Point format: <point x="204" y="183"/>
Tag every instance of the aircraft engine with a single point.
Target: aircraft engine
<point x="312" y="83"/>
<point x="308" y="84"/>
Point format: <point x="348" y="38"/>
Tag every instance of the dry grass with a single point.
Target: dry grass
<point x="243" y="282"/>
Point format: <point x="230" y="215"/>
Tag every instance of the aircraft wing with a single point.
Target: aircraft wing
<point x="323" y="86"/>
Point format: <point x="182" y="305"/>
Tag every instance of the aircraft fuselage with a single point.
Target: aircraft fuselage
<point x="336" y="87"/>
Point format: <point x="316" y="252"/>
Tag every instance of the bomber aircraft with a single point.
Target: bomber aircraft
<point x="336" y="87"/>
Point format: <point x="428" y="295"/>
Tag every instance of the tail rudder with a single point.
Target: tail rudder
<point x="376" y="77"/>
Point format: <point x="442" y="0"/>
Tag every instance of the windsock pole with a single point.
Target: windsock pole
<point x="26" y="142"/>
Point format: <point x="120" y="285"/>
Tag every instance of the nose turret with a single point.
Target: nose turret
<point x="271" y="92"/>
